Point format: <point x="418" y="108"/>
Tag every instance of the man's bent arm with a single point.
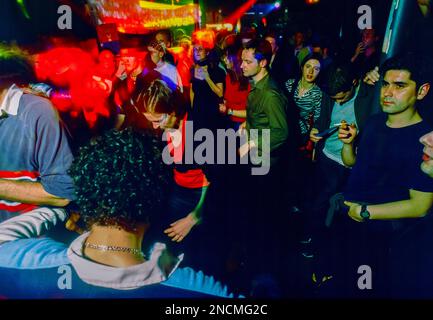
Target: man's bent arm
<point x="416" y="207"/>
<point x="29" y="192"/>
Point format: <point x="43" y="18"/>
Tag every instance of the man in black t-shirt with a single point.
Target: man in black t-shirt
<point x="386" y="182"/>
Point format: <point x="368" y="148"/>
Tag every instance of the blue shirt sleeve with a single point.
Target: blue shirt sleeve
<point x="187" y="278"/>
<point x="33" y="254"/>
<point x="53" y="155"/>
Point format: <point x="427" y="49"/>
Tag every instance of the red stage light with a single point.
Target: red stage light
<point x="240" y="12"/>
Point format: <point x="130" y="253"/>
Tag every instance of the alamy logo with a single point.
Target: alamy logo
<point x="365" y="21"/>
<point x="366" y="279"/>
<point x="65" y="280"/>
<point x="65" y="20"/>
<point x="257" y="142"/>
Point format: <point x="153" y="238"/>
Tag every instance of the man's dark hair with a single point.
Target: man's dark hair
<point x="120" y="179"/>
<point x="419" y="66"/>
<point x="166" y="33"/>
<point x="158" y="97"/>
<point x="262" y="49"/>
<point x="15" y="67"/>
<point x="340" y="78"/>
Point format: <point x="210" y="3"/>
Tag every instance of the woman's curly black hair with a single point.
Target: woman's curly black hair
<point x="120" y="179"/>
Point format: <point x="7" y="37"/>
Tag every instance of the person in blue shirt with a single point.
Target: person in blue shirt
<point x="35" y="154"/>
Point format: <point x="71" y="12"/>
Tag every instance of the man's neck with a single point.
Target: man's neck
<point x="116" y="237"/>
<point x="404" y="119"/>
<point x="259" y="76"/>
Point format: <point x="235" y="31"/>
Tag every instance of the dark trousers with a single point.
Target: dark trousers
<point x="356" y="244"/>
<point x="329" y="178"/>
<point x="264" y="224"/>
<point x="411" y="260"/>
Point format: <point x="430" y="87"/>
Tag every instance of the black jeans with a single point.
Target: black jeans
<point x="350" y="244"/>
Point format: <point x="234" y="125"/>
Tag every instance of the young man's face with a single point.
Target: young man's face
<point x="344" y="96"/>
<point x="131" y="63"/>
<point x="161" y="120"/>
<point x="398" y="93"/>
<point x="155" y="55"/>
<point x="250" y="66"/>
<point x="161" y="37"/>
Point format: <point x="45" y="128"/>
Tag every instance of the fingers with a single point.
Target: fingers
<point x="174" y="235"/>
<point x="372" y="76"/>
<point x="314" y="138"/>
<point x="346" y="132"/>
<point x="71" y="223"/>
<point x="177" y="238"/>
<point x="177" y="231"/>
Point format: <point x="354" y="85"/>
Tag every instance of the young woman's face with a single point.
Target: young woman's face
<point x="199" y="52"/>
<point x="227" y="62"/>
<point x="311" y="70"/>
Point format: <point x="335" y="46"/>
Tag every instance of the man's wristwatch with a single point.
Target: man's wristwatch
<point x="230" y="112"/>
<point x="365" y="215"/>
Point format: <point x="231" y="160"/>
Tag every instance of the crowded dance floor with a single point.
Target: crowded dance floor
<point x="211" y="149"/>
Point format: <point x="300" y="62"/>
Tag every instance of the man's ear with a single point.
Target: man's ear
<point x="422" y="91"/>
<point x="263" y="63"/>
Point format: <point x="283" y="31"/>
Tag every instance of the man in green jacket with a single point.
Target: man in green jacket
<point x="266" y="106"/>
<point x="268" y="133"/>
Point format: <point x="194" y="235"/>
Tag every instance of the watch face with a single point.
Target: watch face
<point x="365" y="214"/>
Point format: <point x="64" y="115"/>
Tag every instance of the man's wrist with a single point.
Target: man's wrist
<point x="195" y="216"/>
<point x="364" y="213"/>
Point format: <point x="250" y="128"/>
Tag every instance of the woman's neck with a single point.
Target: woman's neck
<point x="306" y="85"/>
<point x="115" y="237"/>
